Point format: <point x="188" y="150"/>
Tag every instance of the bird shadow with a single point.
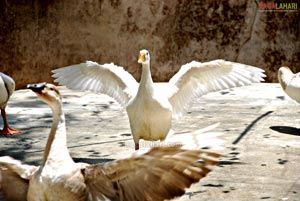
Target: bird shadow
<point x="249" y="127"/>
<point x="286" y="130"/>
<point x="92" y="160"/>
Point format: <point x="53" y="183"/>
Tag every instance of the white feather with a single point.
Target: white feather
<point x="7" y="87"/>
<point x="197" y="79"/>
<point x="23" y="170"/>
<point x="198" y="139"/>
<point x="91" y="76"/>
<point x="290" y="83"/>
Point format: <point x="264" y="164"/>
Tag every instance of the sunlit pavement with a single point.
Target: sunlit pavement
<point x="262" y="143"/>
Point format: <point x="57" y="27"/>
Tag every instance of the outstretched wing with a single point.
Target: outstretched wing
<point x="109" y="79"/>
<point x="196" y="79"/>
<point x="162" y="173"/>
<point x="15" y="178"/>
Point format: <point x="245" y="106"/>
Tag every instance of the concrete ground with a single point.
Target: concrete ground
<point x="262" y="141"/>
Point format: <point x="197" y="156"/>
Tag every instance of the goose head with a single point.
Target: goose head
<point x="47" y="93"/>
<point x="284" y="75"/>
<point x="144" y="57"/>
<point x="284" y="70"/>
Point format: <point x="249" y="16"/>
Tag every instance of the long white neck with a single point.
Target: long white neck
<point x="146" y="83"/>
<point x="56" y="147"/>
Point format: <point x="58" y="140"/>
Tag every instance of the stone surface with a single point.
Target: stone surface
<point x="37" y="36"/>
<point x="260" y="125"/>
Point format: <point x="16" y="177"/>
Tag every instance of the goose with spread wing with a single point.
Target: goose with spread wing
<point x="7" y="87"/>
<point x="150" y="109"/>
<point x="290" y="82"/>
<point x="159" y="174"/>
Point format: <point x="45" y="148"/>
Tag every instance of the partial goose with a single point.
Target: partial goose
<point x="149" y="108"/>
<point x="290" y="82"/>
<point x="7" y="87"/>
<point x="159" y="174"/>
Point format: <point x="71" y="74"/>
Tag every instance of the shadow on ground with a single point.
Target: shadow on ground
<point x="286" y="130"/>
<point x="92" y="160"/>
<point x="248" y="128"/>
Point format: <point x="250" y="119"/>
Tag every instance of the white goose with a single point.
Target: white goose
<point x="150" y="109"/>
<point x="7" y="87"/>
<point x="161" y="173"/>
<point x="290" y="82"/>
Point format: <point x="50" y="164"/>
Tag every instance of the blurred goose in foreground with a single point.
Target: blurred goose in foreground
<point x="150" y="108"/>
<point x="7" y="87"/>
<point x="290" y="82"/>
<point x="159" y="174"/>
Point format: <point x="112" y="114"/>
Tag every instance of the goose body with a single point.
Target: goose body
<point x="7" y="87"/>
<point x="290" y="82"/>
<point x="58" y="170"/>
<point x="150" y="110"/>
<point x="159" y="174"/>
<point x="150" y="114"/>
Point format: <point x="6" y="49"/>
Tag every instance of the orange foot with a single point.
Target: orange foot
<point x="7" y="131"/>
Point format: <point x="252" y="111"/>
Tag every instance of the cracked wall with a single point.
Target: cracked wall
<point x="37" y="36"/>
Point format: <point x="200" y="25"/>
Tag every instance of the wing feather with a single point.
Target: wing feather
<point x="15" y="178"/>
<point x="23" y="170"/>
<point x="162" y="173"/>
<point x="13" y="187"/>
<point x="196" y="79"/>
<point x="109" y="79"/>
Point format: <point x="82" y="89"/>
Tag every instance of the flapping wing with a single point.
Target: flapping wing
<point x="198" y="139"/>
<point x="196" y="79"/>
<point x="15" y="178"/>
<point x="23" y="170"/>
<point x="162" y="173"/>
<point x="91" y="76"/>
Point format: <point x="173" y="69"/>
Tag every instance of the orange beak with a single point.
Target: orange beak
<point x="142" y="58"/>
